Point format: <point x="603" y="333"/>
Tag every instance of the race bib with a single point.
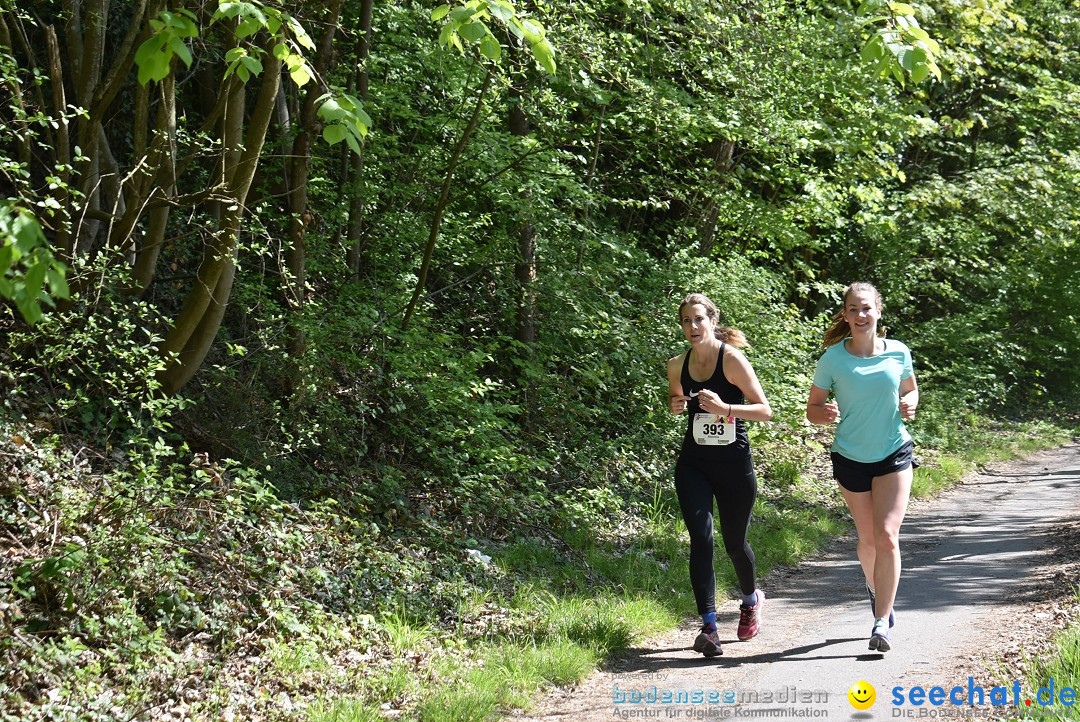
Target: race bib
<point x="713" y="430"/>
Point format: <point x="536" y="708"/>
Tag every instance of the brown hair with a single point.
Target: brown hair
<point x="838" y="330"/>
<point x="728" y="335"/>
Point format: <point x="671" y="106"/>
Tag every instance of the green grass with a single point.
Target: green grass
<point x="939" y="474"/>
<point x="298" y="656"/>
<point x="1059" y="666"/>
<point x="507" y="677"/>
<point x="393" y="683"/>
<point x="1063" y="667"/>
<point x="403" y="633"/>
<point x="604" y="623"/>
<point x="977" y="442"/>
<point x="784" y="536"/>
<point x="344" y="710"/>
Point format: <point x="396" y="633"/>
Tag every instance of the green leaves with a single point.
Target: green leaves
<point x="171" y="29"/>
<point x="900" y="47"/>
<point x="27" y="265"/>
<point x="474" y="31"/>
<point x="154" y="57"/>
<point x="533" y="34"/>
<point x="243" y="63"/>
<point x="290" y="34"/>
<point x="490" y="48"/>
<point x="251" y="17"/>
<point x="344" y="119"/>
<point x="470" y="23"/>
<point x="47" y="578"/>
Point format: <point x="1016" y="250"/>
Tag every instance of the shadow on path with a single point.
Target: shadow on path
<point x="960" y="558"/>
<point x="984" y="543"/>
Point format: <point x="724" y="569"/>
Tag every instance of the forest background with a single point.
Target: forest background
<point x="333" y="359"/>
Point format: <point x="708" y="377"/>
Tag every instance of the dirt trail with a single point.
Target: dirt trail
<point x="983" y="565"/>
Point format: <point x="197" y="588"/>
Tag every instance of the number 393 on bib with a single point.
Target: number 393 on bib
<point x="713" y="430"/>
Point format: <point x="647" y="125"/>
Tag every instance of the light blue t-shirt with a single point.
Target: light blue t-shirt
<point x="867" y="390"/>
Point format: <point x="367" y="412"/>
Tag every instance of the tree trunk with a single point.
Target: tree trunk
<point x="118" y="74"/>
<point x="444" y="197"/>
<point x="62" y="150"/>
<point x="298" y="169"/>
<point x="187" y="343"/>
<point x="15" y="87"/>
<point x="525" y="268"/>
<point x="722" y="163"/>
<point x="153" y="181"/>
<point x="87" y="63"/>
<point x="150" y="248"/>
<point x="356" y="160"/>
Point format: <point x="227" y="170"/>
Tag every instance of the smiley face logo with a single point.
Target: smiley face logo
<point x="861" y="695"/>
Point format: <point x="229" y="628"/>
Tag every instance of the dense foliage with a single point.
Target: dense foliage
<point x="414" y="275"/>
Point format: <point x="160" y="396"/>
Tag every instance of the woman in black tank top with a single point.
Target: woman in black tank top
<point x="717" y="388"/>
<point x="729" y="394"/>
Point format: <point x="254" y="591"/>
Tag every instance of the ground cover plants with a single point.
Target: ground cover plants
<point x="1060" y="663"/>
<point x="230" y="602"/>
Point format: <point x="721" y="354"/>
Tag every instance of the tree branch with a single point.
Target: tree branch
<point x="444" y="197"/>
<point x="125" y="58"/>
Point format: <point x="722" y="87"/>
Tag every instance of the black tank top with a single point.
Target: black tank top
<point x="729" y="393"/>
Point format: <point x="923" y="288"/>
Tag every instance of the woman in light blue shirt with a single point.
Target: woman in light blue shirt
<point x="874" y="390"/>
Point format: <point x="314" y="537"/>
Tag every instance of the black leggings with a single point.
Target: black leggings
<point x="734" y="485"/>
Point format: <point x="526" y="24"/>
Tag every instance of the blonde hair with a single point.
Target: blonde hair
<point x="728" y="335"/>
<point x="838" y="330"/>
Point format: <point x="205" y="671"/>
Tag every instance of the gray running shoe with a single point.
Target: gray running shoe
<point x="708" y="643"/>
<point x="879" y="639"/>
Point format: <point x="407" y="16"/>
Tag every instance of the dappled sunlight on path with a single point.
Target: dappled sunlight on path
<point x="966" y="554"/>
